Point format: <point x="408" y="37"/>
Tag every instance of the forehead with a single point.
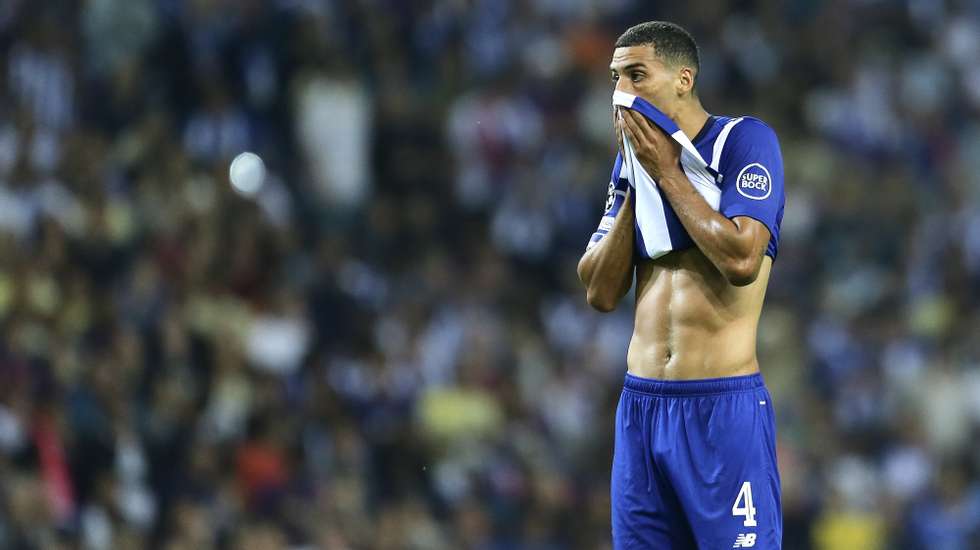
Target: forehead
<point x="631" y="55"/>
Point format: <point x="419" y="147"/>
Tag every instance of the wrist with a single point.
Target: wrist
<point x="673" y="178"/>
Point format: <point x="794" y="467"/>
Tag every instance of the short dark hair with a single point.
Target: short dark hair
<point x="670" y="42"/>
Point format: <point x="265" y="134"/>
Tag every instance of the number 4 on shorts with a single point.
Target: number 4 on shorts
<point x="743" y="505"/>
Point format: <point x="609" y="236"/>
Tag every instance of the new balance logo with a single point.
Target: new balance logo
<point x="744" y="541"/>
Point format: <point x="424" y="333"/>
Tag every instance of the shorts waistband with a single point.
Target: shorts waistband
<point x="705" y="386"/>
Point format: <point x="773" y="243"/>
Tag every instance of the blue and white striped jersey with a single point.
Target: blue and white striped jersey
<point x="745" y="154"/>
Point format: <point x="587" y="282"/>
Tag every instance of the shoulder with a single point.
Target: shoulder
<point x="749" y="140"/>
<point x="751" y="131"/>
<point x="751" y="160"/>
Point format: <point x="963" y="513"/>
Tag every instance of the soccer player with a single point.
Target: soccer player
<point x="695" y="462"/>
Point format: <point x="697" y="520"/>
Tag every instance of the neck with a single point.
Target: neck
<point x="690" y="117"/>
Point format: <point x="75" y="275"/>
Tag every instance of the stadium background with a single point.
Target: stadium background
<point x="387" y="347"/>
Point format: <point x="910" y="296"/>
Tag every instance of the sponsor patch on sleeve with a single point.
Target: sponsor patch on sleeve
<point x="754" y="182"/>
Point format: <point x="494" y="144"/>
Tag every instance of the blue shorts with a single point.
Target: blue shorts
<point x="695" y="466"/>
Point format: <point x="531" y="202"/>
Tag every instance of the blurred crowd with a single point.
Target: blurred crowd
<point x="385" y="346"/>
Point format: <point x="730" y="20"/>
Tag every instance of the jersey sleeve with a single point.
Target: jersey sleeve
<point x="615" y="198"/>
<point x="751" y="171"/>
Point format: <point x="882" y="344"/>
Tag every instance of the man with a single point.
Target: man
<point x="694" y="463"/>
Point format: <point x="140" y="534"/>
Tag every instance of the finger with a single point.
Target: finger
<point x="628" y="123"/>
<point x="635" y="121"/>
<point x="628" y="128"/>
<point x="644" y="127"/>
<point x="632" y="128"/>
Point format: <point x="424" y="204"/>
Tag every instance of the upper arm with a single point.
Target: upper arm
<point x="753" y="232"/>
<point x="751" y="167"/>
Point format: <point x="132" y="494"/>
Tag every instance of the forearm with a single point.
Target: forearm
<point x="733" y="250"/>
<point x="606" y="269"/>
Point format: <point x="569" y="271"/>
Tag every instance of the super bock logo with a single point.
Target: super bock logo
<point x="754" y="182"/>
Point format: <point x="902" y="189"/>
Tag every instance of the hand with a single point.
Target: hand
<point x="659" y="154"/>
<point x="618" y="128"/>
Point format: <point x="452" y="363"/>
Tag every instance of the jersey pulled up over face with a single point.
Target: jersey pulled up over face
<point x="745" y="153"/>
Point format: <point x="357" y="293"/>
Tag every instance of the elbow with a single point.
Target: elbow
<point x="600" y="301"/>
<point x="583" y="274"/>
<point x="594" y="295"/>
<point x="742" y="272"/>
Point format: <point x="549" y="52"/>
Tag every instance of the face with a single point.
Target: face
<point x="637" y="70"/>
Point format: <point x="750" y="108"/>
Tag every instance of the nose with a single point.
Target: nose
<point x="624" y="85"/>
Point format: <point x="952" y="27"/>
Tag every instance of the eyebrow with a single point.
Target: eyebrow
<point x="628" y="67"/>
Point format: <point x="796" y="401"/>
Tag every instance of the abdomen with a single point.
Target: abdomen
<point x="690" y="322"/>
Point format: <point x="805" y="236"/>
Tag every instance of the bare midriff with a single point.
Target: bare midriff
<point x="690" y="322"/>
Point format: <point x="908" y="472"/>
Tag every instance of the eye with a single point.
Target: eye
<point x="614" y="77"/>
<point x="636" y="76"/>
